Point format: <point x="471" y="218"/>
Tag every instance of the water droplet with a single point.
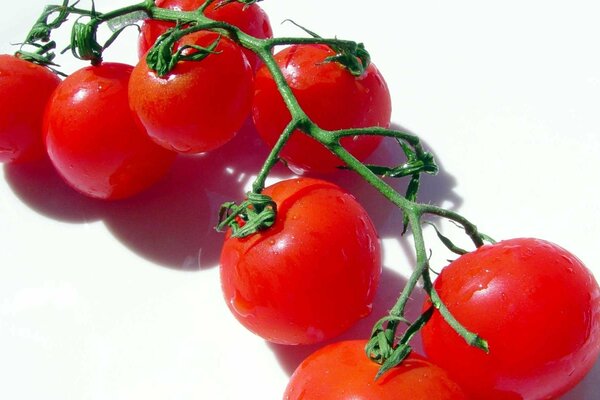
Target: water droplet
<point x="367" y="310"/>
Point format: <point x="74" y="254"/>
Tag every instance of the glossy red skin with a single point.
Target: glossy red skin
<point x="330" y="95"/>
<point x="94" y="140"/>
<point x="537" y="306"/>
<point x="25" y="89"/>
<point x="250" y="19"/>
<point x="311" y="275"/>
<point x="342" y="371"/>
<point x="199" y="105"/>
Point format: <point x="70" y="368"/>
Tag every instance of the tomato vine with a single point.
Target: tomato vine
<point x="257" y="212"/>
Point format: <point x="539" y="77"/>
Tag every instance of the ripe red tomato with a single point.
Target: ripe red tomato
<point x="250" y="19"/>
<point x="94" y="140"/>
<point x="537" y="306"/>
<point x="25" y="88"/>
<point x="330" y="95"/>
<point x="312" y="274"/>
<point x="199" y="105"/>
<point x="342" y="371"/>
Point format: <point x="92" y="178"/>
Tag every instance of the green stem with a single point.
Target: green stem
<point x="259" y="182"/>
<point x="471" y="338"/>
<point x="470" y="228"/>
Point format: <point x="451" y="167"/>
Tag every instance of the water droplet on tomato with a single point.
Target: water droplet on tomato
<point x="241" y="306"/>
<point x="367" y="310"/>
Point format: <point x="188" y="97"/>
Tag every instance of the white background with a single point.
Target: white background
<point x="106" y="300"/>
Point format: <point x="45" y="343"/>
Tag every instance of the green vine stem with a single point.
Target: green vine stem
<point x="386" y="346"/>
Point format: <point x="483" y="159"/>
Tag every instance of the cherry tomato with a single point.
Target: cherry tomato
<point x="25" y="89"/>
<point x="312" y="274"/>
<point x="537" y="306"/>
<point x="94" y="140"/>
<point x="250" y="19"/>
<point x="330" y="95"/>
<point x="199" y="105"/>
<point x="342" y="371"/>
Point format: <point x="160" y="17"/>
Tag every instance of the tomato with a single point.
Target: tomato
<point x="330" y="95"/>
<point x="250" y="19"/>
<point x="312" y="274"/>
<point x="95" y="141"/>
<point x="537" y="306"/>
<point x="342" y="371"/>
<point x="199" y="105"/>
<point x="25" y="89"/>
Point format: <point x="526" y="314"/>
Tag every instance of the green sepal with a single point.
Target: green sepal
<point x="447" y="242"/>
<point x="397" y="356"/>
<point x="353" y="56"/>
<point x="257" y="213"/>
<point x="42" y="28"/>
<point x="415" y="164"/>
<point x="246" y="3"/>
<point x="43" y="54"/>
<point x="84" y="45"/>
<point x="161" y="58"/>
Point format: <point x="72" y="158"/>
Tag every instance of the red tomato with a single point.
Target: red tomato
<point x="250" y="19"/>
<point x="199" y="105"/>
<point x="536" y="305"/>
<point x="312" y="274"/>
<point x="330" y="95"/>
<point x="95" y="141"/>
<point x="25" y="89"/>
<point x="342" y="371"/>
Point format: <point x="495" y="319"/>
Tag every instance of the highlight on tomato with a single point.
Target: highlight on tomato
<point x="332" y="98"/>
<point x="95" y="141"/>
<point x="251" y="19"/>
<point x="25" y="88"/>
<point x="342" y="371"/>
<point x="199" y="105"/>
<point x="312" y="274"/>
<point x="538" y="307"/>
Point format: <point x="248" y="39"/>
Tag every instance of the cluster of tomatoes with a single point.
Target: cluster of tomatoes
<point x="112" y="130"/>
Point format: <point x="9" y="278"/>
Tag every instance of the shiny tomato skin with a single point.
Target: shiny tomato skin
<point x="342" y="371"/>
<point x="199" y="105"/>
<point x="25" y="89"/>
<point x="331" y="97"/>
<point x="538" y="307"/>
<point x="312" y="274"/>
<point x="95" y="141"/>
<point x="250" y="19"/>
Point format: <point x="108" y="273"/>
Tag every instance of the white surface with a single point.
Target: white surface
<point x="105" y="301"/>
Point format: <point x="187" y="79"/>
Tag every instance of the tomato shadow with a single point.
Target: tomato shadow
<point x="172" y="224"/>
<point x="587" y="389"/>
<point x="39" y="186"/>
<point x="391" y="284"/>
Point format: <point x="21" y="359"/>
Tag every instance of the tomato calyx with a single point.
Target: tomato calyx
<point x="351" y="55"/>
<point x="415" y="163"/>
<point x="246" y="3"/>
<point x="381" y="348"/>
<point x="256" y="213"/>
<point x="161" y="57"/>
<point x="38" y="37"/>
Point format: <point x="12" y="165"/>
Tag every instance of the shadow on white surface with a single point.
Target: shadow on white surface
<point x="168" y="223"/>
<point x="39" y="186"/>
